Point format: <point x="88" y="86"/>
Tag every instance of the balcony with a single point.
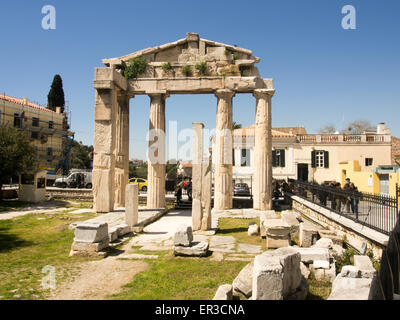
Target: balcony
<point x="344" y="138"/>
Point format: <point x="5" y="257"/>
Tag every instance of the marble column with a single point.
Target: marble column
<point x="223" y="189"/>
<point x="103" y="175"/>
<point x="156" y="156"/>
<point x="262" y="195"/>
<point x="201" y="179"/>
<point x="121" y="149"/>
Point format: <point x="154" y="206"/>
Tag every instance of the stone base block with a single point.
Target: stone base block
<point x="309" y="255"/>
<point x="266" y="215"/>
<point x="307" y="235"/>
<point x="88" y="249"/>
<point x="197" y="249"/>
<point x="91" y="231"/>
<point x="243" y="282"/>
<point x="274" y="242"/>
<point x="183" y="236"/>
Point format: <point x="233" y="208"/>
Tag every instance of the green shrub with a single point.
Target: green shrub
<point x="166" y="66"/>
<point x="186" y="71"/>
<point x="202" y="67"/>
<point x="344" y="260"/>
<point x="236" y="56"/>
<point x="135" y="67"/>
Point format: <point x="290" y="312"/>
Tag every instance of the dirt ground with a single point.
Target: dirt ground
<point x="98" y="279"/>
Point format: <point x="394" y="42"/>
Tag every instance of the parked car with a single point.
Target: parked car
<point x="72" y="181"/>
<point x="241" y="189"/>
<point x="139" y="181"/>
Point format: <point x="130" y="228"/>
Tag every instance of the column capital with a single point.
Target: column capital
<point x="224" y="94"/>
<point x="262" y="93"/>
<point x="158" y="93"/>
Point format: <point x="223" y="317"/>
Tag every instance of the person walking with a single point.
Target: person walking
<point x="332" y="195"/>
<point x="189" y="189"/>
<point x="346" y="187"/>
<point x="338" y="198"/>
<point x="178" y="192"/>
<point x="354" y="199"/>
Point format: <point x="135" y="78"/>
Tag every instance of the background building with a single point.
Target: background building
<point x="311" y="157"/>
<point x="46" y="129"/>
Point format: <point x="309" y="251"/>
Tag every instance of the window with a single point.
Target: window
<point x="245" y="158"/>
<point x="368" y="162"/>
<point x="17" y="121"/>
<point x="51" y="124"/>
<point x="278" y="158"/>
<point x="35" y="122"/>
<point x="34" y="135"/>
<point x="319" y="159"/>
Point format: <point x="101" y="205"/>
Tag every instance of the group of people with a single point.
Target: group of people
<point x="185" y="184"/>
<point x="349" y="199"/>
<point x="80" y="180"/>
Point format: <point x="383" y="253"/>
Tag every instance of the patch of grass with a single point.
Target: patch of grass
<point x="237" y="228"/>
<point x="180" y="279"/>
<point x="29" y="243"/>
<point x="318" y="290"/>
<point x="344" y="260"/>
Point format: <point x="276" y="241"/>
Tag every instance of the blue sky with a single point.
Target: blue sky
<point x="322" y="73"/>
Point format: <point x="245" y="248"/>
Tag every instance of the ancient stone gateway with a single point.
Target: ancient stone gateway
<point x="227" y="70"/>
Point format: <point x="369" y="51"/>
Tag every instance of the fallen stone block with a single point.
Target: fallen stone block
<point x="277" y="233"/>
<point x="324" y="243"/>
<point x="244" y="281"/>
<point x="338" y="240"/>
<point x="224" y="292"/>
<point x="350" y="272"/>
<point x="307" y="235"/>
<point x="91" y="232"/>
<point x="267" y="278"/>
<point x="183" y="236"/>
<point x="197" y="249"/>
<point x="266" y="215"/>
<point x="290" y="217"/>
<point x="321" y="264"/>
<point x="309" y="255"/>
<point x="344" y="288"/>
<point x="253" y="230"/>
<point x="87" y="249"/>
<point x="276" y="274"/>
<point x="363" y="263"/>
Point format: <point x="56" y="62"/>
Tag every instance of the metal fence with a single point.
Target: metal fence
<point x="379" y="212"/>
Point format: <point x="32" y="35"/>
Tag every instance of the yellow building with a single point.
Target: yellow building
<point x="44" y="127"/>
<point x="379" y="180"/>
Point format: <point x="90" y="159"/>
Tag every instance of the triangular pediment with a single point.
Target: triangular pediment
<point x="220" y="58"/>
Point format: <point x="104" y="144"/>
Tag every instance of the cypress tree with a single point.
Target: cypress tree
<point x="55" y="97"/>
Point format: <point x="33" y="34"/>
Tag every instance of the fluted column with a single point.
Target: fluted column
<point x="121" y="149"/>
<point x="156" y="157"/>
<point x="262" y="195"/>
<point x="223" y="191"/>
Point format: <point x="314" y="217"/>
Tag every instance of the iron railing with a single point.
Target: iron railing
<point x="378" y="212"/>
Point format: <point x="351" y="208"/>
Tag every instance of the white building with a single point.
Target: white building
<point x="301" y="156"/>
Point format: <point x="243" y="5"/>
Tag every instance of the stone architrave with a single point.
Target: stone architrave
<point x="156" y="160"/>
<point x="223" y="193"/>
<point x="104" y="144"/>
<point x="121" y="149"/>
<point x="201" y="179"/>
<point x="132" y="205"/>
<point x="262" y="196"/>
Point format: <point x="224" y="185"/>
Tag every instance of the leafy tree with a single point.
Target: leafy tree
<point x="236" y="125"/>
<point x="17" y="155"/>
<point x="55" y="98"/>
<point x="328" y="128"/>
<point x="171" y="170"/>
<point x="80" y="155"/>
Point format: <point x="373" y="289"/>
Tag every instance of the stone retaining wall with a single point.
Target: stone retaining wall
<point x="355" y="233"/>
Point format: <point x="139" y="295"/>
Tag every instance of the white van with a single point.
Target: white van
<point x="71" y="180"/>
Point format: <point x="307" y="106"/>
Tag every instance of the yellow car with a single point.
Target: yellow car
<point x="139" y="181"/>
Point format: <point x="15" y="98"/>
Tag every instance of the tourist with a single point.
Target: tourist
<point x="348" y="200"/>
<point x="332" y="194"/>
<point x="178" y="192"/>
<point x="354" y="199"/>
<point x="189" y="189"/>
